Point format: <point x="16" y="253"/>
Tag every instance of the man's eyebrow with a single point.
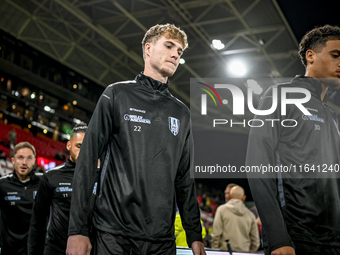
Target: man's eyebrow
<point x="181" y="49"/>
<point x="334" y="51"/>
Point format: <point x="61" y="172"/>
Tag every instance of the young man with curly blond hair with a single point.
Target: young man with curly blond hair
<point x="142" y="135"/>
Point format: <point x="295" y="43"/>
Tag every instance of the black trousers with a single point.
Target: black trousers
<point x="107" y="244"/>
<point x="307" y="249"/>
<point x="55" y="249"/>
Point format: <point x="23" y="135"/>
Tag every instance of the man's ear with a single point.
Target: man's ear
<point x="310" y="56"/>
<point x="68" y="145"/>
<point x="147" y="49"/>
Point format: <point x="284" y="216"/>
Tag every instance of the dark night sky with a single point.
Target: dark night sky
<point x="304" y="15"/>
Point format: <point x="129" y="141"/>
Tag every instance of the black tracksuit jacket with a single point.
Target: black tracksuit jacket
<point x="142" y="134"/>
<point x="51" y="212"/>
<point x="304" y="209"/>
<point x="16" y="201"/>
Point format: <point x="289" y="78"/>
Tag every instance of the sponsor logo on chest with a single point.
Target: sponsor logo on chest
<point x="136" y="118"/>
<point x="63" y="189"/>
<point x="12" y="198"/>
<point x="313" y="116"/>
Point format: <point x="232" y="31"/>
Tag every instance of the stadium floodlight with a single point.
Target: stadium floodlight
<point x="237" y="68"/>
<point x="217" y="44"/>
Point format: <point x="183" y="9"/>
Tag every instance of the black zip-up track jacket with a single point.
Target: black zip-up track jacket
<point x="16" y="201"/>
<point x="297" y="207"/>
<point x="142" y="135"/>
<point x="51" y="212"/>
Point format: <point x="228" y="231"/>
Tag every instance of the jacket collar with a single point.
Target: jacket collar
<point x="32" y="176"/>
<point x="152" y="84"/>
<point x="70" y="164"/>
<point x="314" y="86"/>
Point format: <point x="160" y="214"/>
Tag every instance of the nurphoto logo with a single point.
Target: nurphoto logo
<point x="238" y="99"/>
<point x="218" y="94"/>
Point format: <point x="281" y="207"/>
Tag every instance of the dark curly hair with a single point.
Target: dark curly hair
<point x="316" y="39"/>
<point x="79" y="128"/>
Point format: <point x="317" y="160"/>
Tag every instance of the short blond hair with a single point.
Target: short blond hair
<point x="170" y="31"/>
<point x="231" y="185"/>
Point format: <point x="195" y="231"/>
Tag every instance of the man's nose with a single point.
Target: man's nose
<point x="175" y="54"/>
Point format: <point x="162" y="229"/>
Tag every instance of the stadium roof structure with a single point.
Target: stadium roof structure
<point x="101" y="39"/>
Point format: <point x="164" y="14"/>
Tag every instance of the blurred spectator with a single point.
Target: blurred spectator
<point x="199" y="200"/>
<point x="204" y="204"/>
<point x="227" y="191"/>
<point x="2" y="155"/>
<point x="181" y="238"/>
<point x="213" y="206"/>
<point x="12" y="137"/>
<point x="5" y="142"/>
<point x="40" y="169"/>
<point x="253" y="209"/>
<point x="60" y="156"/>
<point x="236" y="223"/>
